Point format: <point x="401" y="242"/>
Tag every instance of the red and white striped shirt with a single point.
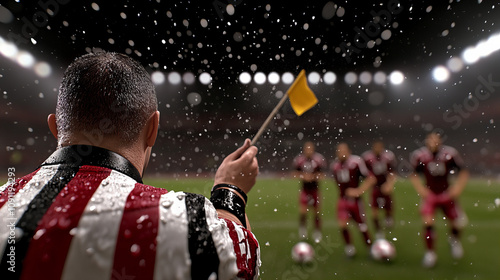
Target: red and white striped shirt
<point x="85" y="214"/>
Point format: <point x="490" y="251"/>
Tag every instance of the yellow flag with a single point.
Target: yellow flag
<point x="301" y="96"/>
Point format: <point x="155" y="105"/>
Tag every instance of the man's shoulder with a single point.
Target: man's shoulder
<point x="421" y="152"/>
<point x="355" y="160"/>
<point x="388" y="155"/>
<point x="367" y="155"/>
<point x="449" y="150"/>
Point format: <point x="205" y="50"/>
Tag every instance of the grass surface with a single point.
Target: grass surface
<point x="273" y="214"/>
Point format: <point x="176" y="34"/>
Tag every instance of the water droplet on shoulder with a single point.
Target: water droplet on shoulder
<point x="90" y="251"/>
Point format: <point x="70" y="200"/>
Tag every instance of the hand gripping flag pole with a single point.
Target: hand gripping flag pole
<point x="301" y="98"/>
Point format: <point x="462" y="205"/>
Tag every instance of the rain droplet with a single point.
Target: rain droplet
<point x="95" y="6"/>
<point x="167" y="203"/>
<point x="230" y="9"/>
<point x="18" y="233"/>
<point x="203" y="23"/>
<point x="38" y="234"/>
<point x="135" y="249"/>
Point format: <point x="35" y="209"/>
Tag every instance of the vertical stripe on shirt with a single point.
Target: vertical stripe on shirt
<point x="136" y="242"/>
<point x="48" y="249"/>
<point x="204" y="258"/>
<point x="29" y="221"/>
<point x="223" y="242"/>
<point x="93" y="244"/>
<point x="172" y="238"/>
<point x="13" y="209"/>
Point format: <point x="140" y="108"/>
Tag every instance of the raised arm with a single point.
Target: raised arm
<point x="233" y="180"/>
<point x="239" y="169"/>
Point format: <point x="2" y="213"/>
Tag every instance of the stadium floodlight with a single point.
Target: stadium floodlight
<point x="380" y="78"/>
<point x="8" y="49"/>
<point x="174" y="78"/>
<point x="42" y="69"/>
<point x="440" y="73"/>
<point x="287" y="78"/>
<point x="259" y="78"/>
<point x="313" y="77"/>
<point x="205" y="78"/>
<point x="245" y="78"/>
<point x="396" y="77"/>
<point x="455" y="64"/>
<point x="188" y="78"/>
<point x="329" y="78"/>
<point x="273" y="78"/>
<point x="350" y="78"/>
<point x="365" y="77"/>
<point x="25" y="59"/>
<point x="157" y="78"/>
<point x="470" y="55"/>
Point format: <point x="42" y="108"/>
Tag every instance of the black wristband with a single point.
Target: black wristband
<point x="233" y="187"/>
<point x="225" y="199"/>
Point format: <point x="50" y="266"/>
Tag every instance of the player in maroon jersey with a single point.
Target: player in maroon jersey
<point x="436" y="162"/>
<point x="347" y="170"/>
<point x="309" y="166"/>
<point x="382" y="163"/>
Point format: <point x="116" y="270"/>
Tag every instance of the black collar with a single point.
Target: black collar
<point x="78" y="155"/>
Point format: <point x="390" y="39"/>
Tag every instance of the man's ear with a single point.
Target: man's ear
<point x="51" y="120"/>
<point x="152" y="128"/>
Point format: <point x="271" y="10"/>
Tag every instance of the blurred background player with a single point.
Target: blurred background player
<point x="309" y="166"/>
<point x="382" y="163"/>
<point x="437" y="162"/>
<point x="347" y="170"/>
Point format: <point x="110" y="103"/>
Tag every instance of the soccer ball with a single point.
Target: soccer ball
<point x="302" y="252"/>
<point x="383" y="250"/>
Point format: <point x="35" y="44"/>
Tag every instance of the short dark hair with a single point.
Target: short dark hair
<point x="105" y="93"/>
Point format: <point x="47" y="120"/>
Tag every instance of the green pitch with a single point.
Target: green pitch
<point x="273" y="214"/>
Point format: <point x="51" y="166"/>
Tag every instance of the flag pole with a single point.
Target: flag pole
<point x="269" y="118"/>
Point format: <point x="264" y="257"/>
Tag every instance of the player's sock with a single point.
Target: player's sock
<point x="302" y="226"/>
<point x="346" y="235"/>
<point x="376" y="223"/>
<point x="317" y="222"/>
<point x="367" y="238"/>
<point x="429" y="237"/>
<point x="455" y="232"/>
<point x="364" y="230"/>
<point x="302" y="220"/>
<point x="389" y="220"/>
<point x="457" y="250"/>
